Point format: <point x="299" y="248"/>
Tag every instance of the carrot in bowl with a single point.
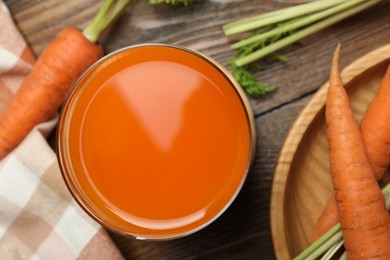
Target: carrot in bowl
<point x="375" y="128"/>
<point x="364" y="219"/>
<point x="375" y="131"/>
<point x="328" y="218"/>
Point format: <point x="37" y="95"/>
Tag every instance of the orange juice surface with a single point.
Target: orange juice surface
<point x="158" y="141"/>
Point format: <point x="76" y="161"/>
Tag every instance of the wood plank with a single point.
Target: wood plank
<point x="199" y="27"/>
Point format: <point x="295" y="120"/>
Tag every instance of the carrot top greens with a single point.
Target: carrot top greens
<point x="277" y="29"/>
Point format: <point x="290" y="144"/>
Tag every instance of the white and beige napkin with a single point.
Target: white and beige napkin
<point x="38" y="217"/>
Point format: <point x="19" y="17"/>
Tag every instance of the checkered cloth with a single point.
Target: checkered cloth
<point x="38" y="217"/>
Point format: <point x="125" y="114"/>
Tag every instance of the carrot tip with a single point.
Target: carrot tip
<point x="335" y="79"/>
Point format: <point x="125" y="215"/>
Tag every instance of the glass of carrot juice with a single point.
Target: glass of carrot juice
<point x="155" y="141"/>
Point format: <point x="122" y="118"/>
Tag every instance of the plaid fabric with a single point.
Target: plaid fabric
<point x="38" y="217"/>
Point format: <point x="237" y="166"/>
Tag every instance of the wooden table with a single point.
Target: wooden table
<point x="243" y="231"/>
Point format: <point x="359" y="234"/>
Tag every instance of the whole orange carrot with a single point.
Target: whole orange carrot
<point x="375" y="130"/>
<point x="45" y="88"/>
<point x="364" y="219"/>
<point x="60" y="64"/>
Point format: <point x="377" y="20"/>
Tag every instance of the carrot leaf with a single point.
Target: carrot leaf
<point x="244" y="74"/>
<point x="249" y="82"/>
<point x="280" y="28"/>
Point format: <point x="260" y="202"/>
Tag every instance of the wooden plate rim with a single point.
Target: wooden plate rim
<point x="294" y="137"/>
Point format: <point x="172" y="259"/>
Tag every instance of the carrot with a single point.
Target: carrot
<point x="328" y="218"/>
<point x="375" y="128"/>
<point x="65" y="58"/>
<point x="364" y="219"/>
<point x="375" y="131"/>
<point x="45" y="88"/>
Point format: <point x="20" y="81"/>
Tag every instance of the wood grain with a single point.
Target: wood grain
<point x="200" y="27"/>
<point x="302" y="183"/>
<point x="243" y="232"/>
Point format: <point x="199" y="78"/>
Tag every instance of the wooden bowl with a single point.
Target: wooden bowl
<point x="302" y="184"/>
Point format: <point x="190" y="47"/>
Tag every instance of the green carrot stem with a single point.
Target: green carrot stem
<point x="108" y="14"/>
<point x="282" y="16"/>
<point x="343" y="256"/>
<point x="304" y="32"/>
<point x="325" y="246"/>
<point x="386" y="190"/>
<point x="298" y="24"/>
<point x="329" y="254"/>
<point x="254" y="18"/>
<point x="268" y="14"/>
<point x="316" y="246"/>
<point x="387" y="200"/>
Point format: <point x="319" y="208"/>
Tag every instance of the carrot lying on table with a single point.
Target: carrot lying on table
<point x="375" y="131"/>
<point x="364" y="219"/>
<point x="45" y="88"/>
<point x="59" y="65"/>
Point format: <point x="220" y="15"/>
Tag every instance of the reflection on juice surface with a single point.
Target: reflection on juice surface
<point x="159" y="141"/>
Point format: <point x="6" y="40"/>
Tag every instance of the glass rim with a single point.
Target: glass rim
<point x="61" y="147"/>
